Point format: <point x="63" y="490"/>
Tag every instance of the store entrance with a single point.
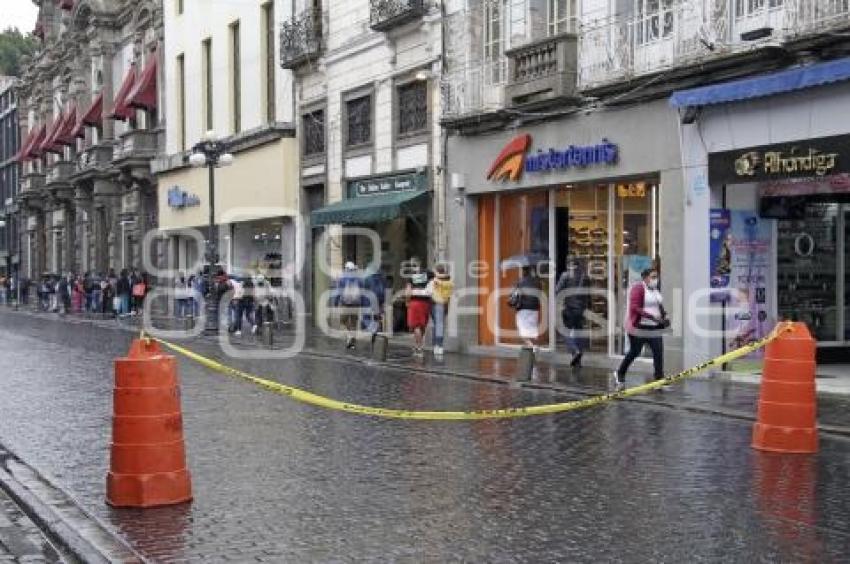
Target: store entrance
<point x="813" y="273"/>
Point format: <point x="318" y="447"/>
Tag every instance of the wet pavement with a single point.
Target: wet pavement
<point x="280" y="481"/>
<point x="20" y="539"/>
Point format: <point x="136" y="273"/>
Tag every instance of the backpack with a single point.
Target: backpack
<point x="350" y="292"/>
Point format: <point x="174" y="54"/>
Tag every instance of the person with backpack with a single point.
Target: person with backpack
<point x="376" y="293"/>
<point x="348" y="299"/>
<point x="573" y="285"/>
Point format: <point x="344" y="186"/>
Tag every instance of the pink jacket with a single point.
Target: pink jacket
<point x="636" y="312"/>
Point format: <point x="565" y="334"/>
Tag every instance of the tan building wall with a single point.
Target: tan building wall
<point x="262" y="182"/>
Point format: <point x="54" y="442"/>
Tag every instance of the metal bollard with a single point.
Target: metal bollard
<point x="525" y="366"/>
<point x="379" y="348"/>
<point x="268" y="334"/>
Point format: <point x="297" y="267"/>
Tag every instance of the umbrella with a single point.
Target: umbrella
<point x="521" y="261"/>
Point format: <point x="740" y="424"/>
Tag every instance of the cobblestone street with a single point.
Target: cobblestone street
<point x="279" y="481"/>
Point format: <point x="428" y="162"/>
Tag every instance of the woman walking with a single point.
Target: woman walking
<point x="645" y="320"/>
<point x="441" y="293"/>
<point x="525" y="299"/>
<point x="418" y="308"/>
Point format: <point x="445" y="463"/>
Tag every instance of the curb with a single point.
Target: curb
<point x="79" y="536"/>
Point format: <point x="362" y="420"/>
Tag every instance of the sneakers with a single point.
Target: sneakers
<point x="576" y="361"/>
<point x="254" y="329"/>
<point x="616" y="384"/>
<point x="438" y="350"/>
<point x="237" y="333"/>
<point x="351" y="343"/>
<point x="417" y="351"/>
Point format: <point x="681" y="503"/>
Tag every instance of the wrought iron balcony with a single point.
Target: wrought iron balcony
<point x="542" y="70"/>
<point x="301" y="39"/>
<point x="474" y="90"/>
<point x="387" y="14"/>
<point x="685" y="34"/>
<point x="139" y="144"/>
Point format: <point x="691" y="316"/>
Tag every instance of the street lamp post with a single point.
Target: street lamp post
<point x="211" y="153"/>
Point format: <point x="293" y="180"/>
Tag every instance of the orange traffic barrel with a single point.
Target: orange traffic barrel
<point x="147" y="465"/>
<point x="787" y="408"/>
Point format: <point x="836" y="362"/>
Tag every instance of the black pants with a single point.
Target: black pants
<point x="636" y="344"/>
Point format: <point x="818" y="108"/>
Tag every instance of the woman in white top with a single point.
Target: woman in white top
<point x="645" y="320"/>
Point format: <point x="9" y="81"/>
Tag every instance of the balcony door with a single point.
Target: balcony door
<point x="652" y="33"/>
<point x="751" y="15"/>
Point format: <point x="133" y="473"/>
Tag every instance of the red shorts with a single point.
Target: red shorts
<point x="418" y="312"/>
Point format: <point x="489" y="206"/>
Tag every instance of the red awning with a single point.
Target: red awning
<point x="92" y="118"/>
<point x="35" y="147"/>
<point x="25" y="146"/>
<point x="121" y="109"/>
<point x="66" y="133"/>
<point x="66" y="4"/>
<point x="50" y="139"/>
<point x="143" y="94"/>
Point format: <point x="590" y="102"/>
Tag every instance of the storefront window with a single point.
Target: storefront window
<point x="807" y="266"/>
<point x="609" y="229"/>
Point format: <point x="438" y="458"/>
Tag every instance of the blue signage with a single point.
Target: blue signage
<point x="572" y="156"/>
<point x="178" y="198"/>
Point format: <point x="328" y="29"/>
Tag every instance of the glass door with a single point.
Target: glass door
<point x="810" y="271"/>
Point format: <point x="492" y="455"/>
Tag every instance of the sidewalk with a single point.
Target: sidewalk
<point x="729" y="395"/>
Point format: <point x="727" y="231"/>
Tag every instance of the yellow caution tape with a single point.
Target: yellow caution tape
<point x="321" y="401"/>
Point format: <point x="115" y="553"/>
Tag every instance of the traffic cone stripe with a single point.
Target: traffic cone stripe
<point x="146" y="401"/>
<point x="151" y="429"/>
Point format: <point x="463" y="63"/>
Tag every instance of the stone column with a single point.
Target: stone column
<point x="70" y="222"/>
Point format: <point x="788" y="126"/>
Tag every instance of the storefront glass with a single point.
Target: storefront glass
<point x="809" y="280"/>
<point x="610" y="228"/>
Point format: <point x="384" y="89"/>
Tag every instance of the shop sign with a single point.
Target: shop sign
<point x="633" y="190"/>
<point x="812" y="158"/>
<point x="179" y="199"/>
<point x="386" y="184"/>
<point x="514" y="159"/>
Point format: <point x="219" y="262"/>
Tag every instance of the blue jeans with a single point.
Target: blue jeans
<point x="574" y="324"/>
<point x="125" y="304"/>
<point x="438" y="313"/>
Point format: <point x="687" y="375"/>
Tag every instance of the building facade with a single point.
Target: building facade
<point x="565" y="142"/>
<point x="90" y="111"/>
<point x="10" y="140"/>
<point x="221" y="68"/>
<point x="367" y="84"/>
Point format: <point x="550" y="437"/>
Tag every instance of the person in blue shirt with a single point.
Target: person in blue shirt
<point x="348" y="299"/>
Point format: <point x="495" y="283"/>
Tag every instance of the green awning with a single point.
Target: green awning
<point x="372" y="209"/>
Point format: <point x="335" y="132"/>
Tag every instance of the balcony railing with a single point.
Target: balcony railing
<point x="137" y="144"/>
<point x="32" y="182"/>
<point x="545" y="69"/>
<point x="475" y="89"/>
<point x="301" y="39"/>
<point x="60" y="173"/>
<point x="685" y="33"/>
<point x="96" y="157"/>
<point x="387" y="14"/>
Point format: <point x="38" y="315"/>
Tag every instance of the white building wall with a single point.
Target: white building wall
<point x="184" y="35"/>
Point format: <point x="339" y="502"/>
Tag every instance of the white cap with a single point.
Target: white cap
<point x="350" y="266"/>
